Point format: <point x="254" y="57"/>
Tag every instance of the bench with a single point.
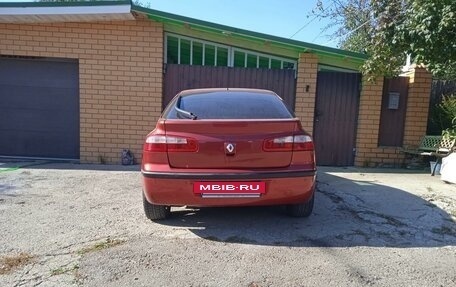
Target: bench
<point x="437" y="146"/>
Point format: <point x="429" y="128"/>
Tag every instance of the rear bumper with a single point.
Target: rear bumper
<point x="176" y="189"/>
<point x="227" y="176"/>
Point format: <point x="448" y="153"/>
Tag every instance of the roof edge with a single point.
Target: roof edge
<point x="63" y="4"/>
<point x="251" y="34"/>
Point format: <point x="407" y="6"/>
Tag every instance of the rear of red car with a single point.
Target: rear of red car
<point x="228" y="147"/>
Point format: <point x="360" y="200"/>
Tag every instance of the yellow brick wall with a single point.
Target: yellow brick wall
<point x="120" y="77"/>
<point x="120" y="65"/>
<point x="417" y="105"/>
<point x="368" y="153"/>
<point x="368" y="121"/>
<point x="305" y="100"/>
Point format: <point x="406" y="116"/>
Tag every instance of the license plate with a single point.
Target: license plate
<point x="239" y="187"/>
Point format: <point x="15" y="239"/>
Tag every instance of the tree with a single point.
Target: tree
<point x="423" y="29"/>
<point x="352" y="19"/>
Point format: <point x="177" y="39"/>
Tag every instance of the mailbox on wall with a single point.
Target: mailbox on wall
<point x="394" y="106"/>
<point x="393" y="100"/>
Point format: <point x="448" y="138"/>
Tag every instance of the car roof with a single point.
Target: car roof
<point x="215" y="90"/>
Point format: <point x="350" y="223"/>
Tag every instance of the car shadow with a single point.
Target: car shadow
<point x="347" y="213"/>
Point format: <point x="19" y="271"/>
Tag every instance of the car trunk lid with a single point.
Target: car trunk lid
<point x="230" y="144"/>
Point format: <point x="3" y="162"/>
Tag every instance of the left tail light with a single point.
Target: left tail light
<point x="289" y="143"/>
<point x="162" y="143"/>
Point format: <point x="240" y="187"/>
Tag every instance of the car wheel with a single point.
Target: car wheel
<point x="301" y="209"/>
<point x="155" y="212"/>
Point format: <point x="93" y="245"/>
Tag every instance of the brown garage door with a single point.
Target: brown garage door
<point x="182" y="77"/>
<point x="39" y="111"/>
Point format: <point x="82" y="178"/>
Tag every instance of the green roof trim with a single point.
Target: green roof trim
<point x="63" y="4"/>
<point x="209" y="26"/>
<point x="203" y="26"/>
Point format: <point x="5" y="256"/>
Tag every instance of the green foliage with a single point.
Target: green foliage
<point x="348" y="16"/>
<point x="430" y="30"/>
<point x="355" y="41"/>
<point x="386" y="54"/>
<point x="443" y="116"/>
<point x="424" y="29"/>
<point x="449" y="133"/>
<point x="393" y="29"/>
<point x="448" y="109"/>
<point x="108" y="243"/>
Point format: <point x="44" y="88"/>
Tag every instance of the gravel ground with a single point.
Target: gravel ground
<point x="83" y="225"/>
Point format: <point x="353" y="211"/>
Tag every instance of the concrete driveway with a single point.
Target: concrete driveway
<point x="83" y="225"/>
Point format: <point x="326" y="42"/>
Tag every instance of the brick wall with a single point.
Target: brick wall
<point x="120" y="66"/>
<point x="368" y="121"/>
<point x="305" y="100"/>
<point x="367" y="151"/>
<point x="418" y="105"/>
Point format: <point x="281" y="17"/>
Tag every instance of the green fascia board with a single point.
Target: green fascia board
<point x="204" y="26"/>
<point x="212" y="27"/>
<point x="63" y="4"/>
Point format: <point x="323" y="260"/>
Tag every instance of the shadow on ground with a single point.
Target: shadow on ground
<point x="347" y="213"/>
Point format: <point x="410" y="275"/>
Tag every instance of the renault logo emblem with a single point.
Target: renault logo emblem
<point x="230" y="148"/>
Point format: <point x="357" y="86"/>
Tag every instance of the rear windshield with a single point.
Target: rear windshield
<point x="230" y="105"/>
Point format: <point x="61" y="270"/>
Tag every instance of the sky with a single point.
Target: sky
<point x="281" y="18"/>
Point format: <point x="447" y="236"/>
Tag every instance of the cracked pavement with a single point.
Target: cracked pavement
<point x="83" y="225"/>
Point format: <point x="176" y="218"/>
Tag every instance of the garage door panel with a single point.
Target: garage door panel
<point x="39" y="98"/>
<point x="29" y="144"/>
<point x="36" y="120"/>
<point x="39" y="73"/>
<point x="39" y="114"/>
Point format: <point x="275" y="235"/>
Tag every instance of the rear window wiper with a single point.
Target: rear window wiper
<point x="182" y="114"/>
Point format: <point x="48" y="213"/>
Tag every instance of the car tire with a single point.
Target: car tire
<point x="301" y="209"/>
<point x="156" y="212"/>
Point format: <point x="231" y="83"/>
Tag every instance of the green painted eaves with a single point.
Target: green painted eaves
<point x="212" y="27"/>
<point x="64" y="4"/>
<point x="216" y="29"/>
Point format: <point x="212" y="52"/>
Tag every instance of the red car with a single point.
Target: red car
<point x="228" y="147"/>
